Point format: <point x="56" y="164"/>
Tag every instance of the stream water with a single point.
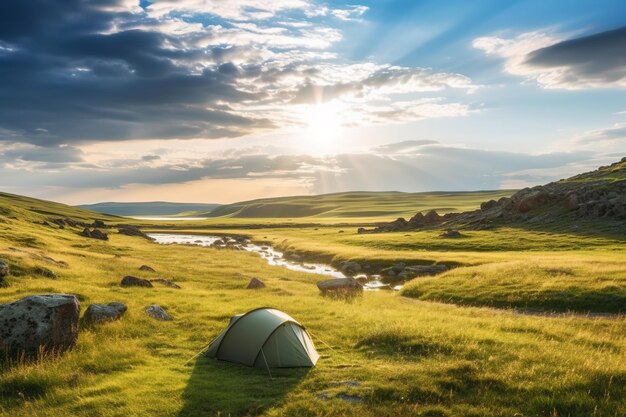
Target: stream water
<point x="272" y="256"/>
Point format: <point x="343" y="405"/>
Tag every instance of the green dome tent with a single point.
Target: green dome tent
<point x="264" y="337"/>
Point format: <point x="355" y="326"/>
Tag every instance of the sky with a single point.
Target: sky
<point x="220" y="101"/>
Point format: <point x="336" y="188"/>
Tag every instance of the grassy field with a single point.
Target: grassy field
<point x="382" y="354"/>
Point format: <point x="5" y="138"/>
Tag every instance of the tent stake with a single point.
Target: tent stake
<point x="266" y="365"/>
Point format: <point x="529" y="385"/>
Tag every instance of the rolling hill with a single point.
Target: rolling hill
<point x="356" y="204"/>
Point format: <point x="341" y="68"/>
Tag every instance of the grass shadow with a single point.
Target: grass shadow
<point x="221" y="388"/>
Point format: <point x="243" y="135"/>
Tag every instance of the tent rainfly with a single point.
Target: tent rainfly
<point x="264" y="337"/>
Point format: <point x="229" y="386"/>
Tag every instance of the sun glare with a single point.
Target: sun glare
<point x="323" y="129"/>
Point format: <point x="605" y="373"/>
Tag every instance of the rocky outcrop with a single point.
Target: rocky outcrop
<point x="146" y="268"/>
<point x="166" y="282"/>
<point x="255" y="283"/>
<point x="94" y="234"/>
<point x="132" y="231"/>
<point x="157" y="312"/>
<point x="599" y="194"/>
<point x="99" y="313"/>
<point x="130" y="281"/>
<point x="350" y="267"/>
<point x="39" y="323"/>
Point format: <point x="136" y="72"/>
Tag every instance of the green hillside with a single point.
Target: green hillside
<point x="357" y="204"/>
<point x="27" y="208"/>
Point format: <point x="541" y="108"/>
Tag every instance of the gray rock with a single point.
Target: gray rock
<point x="166" y="282"/>
<point x="132" y="231"/>
<point x="39" y="323"/>
<point x="146" y="268"/>
<point x="451" y="234"/>
<point x="419" y="270"/>
<point x="349" y="284"/>
<point x="4" y="269"/>
<point x="398" y="267"/>
<point x="158" y="313"/>
<point x="255" y="283"/>
<point x="45" y="272"/>
<point x="350" y="267"/>
<point x="99" y="313"/>
<point x="130" y="281"/>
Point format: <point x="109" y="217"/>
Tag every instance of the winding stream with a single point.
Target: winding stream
<point x="272" y="256"/>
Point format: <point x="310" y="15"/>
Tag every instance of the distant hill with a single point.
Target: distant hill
<point x="356" y="204"/>
<point x="151" y="208"/>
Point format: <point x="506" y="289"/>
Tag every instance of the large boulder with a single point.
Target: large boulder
<point x="532" y="200"/>
<point x="157" y="312"/>
<point x="39" y="323"/>
<point x="487" y="205"/>
<point x="99" y="313"/>
<point x="255" y="283"/>
<point x="339" y="284"/>
<point x="130" y="281"/>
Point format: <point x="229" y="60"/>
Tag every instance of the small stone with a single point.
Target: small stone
<point x="146" y="268"/>
<point x="157" y="312"/>
<point x="255" y="283"/>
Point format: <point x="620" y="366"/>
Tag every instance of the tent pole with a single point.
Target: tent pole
<point x="266" y="365"/>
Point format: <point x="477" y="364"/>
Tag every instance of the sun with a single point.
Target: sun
<point x="323" y="126"/>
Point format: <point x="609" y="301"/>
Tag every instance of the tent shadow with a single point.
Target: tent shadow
<point x="221" y="388"/>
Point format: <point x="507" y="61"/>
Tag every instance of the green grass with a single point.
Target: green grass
<point x="396" y="355"/>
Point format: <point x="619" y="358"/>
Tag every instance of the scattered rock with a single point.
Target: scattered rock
<point x="94" y="234"/>
<point x="166" y="282"/>
<point x="146" y="268"/>
<point x="130" y="281"/>
<point x="98" y="223"/>
<point x="4" y="269"/>
<point x="349" y="284"/>
<point x="255" y="283"/>
<point x="487" y="205"/>
<point x="572" y="201"/>
<point x="451" y="233"/>
<point x="99" y="313"/>
<point x="129" y="230"/>
<point x="45" y="272"/>
<point x="350" y="268"/>
<point x="420" y="270"/>
<point x="158" y="313"/>
<point x="39" y="323"/>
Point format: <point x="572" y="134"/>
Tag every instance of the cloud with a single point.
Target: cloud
<point x="594" y="61"/>
<point x="86" y="71"/>
<point x="50" y="155"/>
<point x="415" y="165"/>
<point x="615" y="133"/>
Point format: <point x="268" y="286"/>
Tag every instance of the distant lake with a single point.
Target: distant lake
<point x="174" y="219"/>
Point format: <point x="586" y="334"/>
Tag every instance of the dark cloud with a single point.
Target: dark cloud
<point x="52" y="155"/>
<point x="598" y="58"/>
<point x="62" y="69"/>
